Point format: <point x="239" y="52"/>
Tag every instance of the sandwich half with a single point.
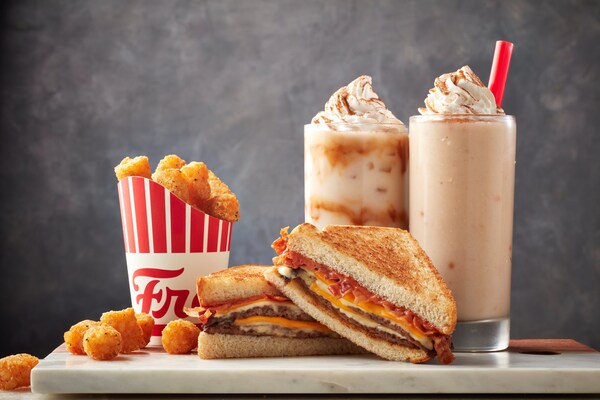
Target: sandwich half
<point x="243" y="315"/>
<point x="374" y="286"/>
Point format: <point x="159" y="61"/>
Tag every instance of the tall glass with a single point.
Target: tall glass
<point x="356" y="174"/>
<point x="462" y="174"/>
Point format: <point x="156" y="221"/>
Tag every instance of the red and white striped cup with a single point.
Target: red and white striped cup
<point x="168" y="244"/>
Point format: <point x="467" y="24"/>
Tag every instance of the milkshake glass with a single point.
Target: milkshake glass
<point x="356" y="161"/>
<point x="462" y="170"/>
<point x="356" y="174"/>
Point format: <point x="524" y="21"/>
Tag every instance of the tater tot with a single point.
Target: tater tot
<point x="74" y="336"/>
<point x="146" y="322"/>
<point x="15" y="371"/>
<point x="102" y="342"/>
<point x="197" y="174"/>
<point x="223" y="203"/>
<point x="180" y="337"/>
<point x="175" y="181"/>
<point x="171" y="161"/>
<point x="224" y="207"/>
<point x="125" y="322"/>
<point x="138" y="166"/>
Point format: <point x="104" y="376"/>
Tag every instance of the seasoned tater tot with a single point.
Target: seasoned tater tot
<point x="146" y="322"/>
<point x="197" y="174"/>
<point x="125" y="322"/>
<point x="180" y="337"/>
<point x="15" y="371"/>
<point x="224" y="207"/>
<point x="138" y="166"/>
<point x="74" y="336"/>
<point x="223" y="204"/>
<point x="102" y="342"/>
<point x="175" y="181"/>
<point x="171" y="161"/>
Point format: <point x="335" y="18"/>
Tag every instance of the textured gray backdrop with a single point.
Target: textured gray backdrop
<point x="85" y="83"/>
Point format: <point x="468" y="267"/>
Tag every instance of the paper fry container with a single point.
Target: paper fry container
<point x="168" y="244"/>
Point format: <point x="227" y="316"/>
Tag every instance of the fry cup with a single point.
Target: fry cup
<point x="168" y="244"/>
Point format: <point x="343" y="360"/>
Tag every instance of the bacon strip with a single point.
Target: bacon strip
<point x="443" y="347"/>
<point x="205" y="313"/>
<point x="280" y="244"/>
<point x="230" y="304"/>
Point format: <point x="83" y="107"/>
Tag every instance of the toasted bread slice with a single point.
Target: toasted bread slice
<point x="215" y="346"/>
<point x="300" y="296"/>
<point x="387" y="261"/>
<point x="232" y="284"/>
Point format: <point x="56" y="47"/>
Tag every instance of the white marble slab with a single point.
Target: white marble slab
<point x="153" y="371"/>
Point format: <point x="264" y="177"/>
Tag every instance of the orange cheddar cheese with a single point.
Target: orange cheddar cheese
<point x="367" y="306"/>
<point x="287" y="323"/>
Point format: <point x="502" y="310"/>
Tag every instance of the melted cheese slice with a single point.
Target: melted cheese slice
<point x="243" y="306"/>
<point x="284" y="322"/>
<point x="320" y="286"/>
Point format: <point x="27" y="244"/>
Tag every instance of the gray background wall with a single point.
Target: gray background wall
<point x="85" y="83"/>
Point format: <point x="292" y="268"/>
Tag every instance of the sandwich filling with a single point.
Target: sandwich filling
<point x="361" y="308"/>
<point x="263" y="315"/>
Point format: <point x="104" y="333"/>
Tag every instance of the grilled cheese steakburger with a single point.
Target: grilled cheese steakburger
<point x="374" y="286"/>
<point x="242" y="315"/>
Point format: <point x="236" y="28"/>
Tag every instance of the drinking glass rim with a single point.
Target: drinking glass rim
<point x="391" y="124"/>
<point x="442" y="117"/>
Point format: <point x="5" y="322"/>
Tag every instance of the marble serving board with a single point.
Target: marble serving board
<point x="529" y="366"/>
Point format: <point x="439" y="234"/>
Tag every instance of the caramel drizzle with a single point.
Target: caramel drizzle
<point x="341" y="153"/>
<point x="389" y="217"/>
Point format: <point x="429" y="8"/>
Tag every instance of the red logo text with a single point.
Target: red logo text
<point x="166" y="296"/>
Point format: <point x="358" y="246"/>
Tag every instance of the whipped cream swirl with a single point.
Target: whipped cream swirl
<point x="460" y="92"/>
<point x="356" y="103"/>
